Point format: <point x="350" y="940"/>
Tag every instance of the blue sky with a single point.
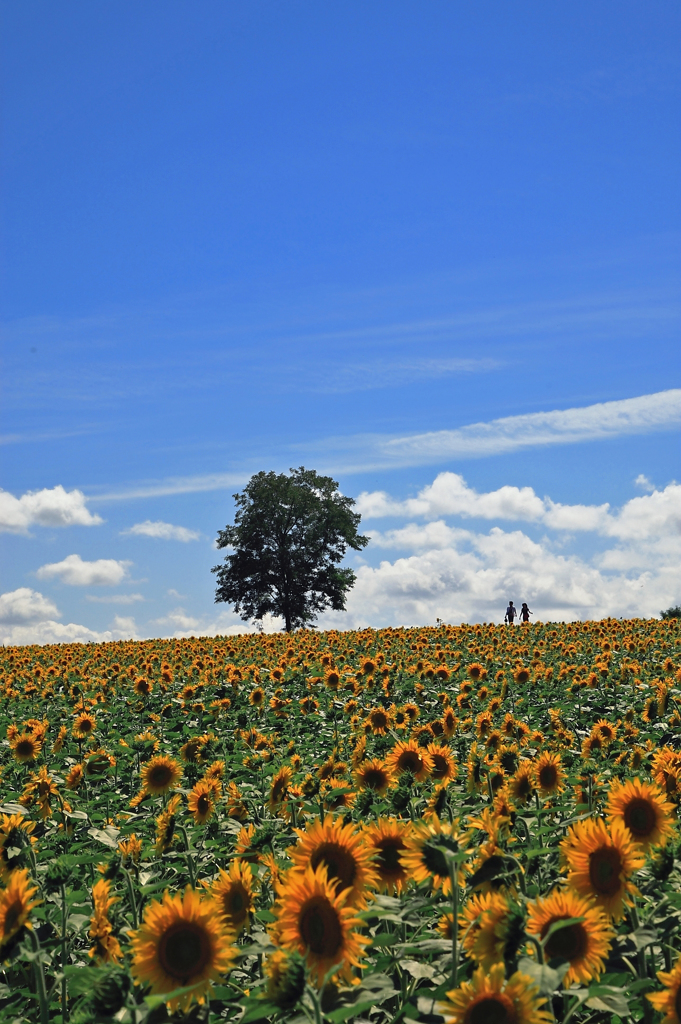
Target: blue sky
<point x="377" y="240"/>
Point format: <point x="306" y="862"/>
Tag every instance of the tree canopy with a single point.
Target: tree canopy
<point x="290" y="535"/>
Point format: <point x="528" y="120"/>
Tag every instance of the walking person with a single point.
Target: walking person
<point x="511" y="613"/>
<point x="525" y="614"/>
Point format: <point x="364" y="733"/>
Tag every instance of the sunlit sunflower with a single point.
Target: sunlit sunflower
<point x="443" y="765"/>
<point x="201" y="801"/>
<point x="106" y="948"/>
<point x="374" y="774"/>
<point x="165" y="826"/>
<point x="668" y="1001"/>
<point x="16" y="903"/>
<point x="387" y="838"/>
<point x="181" y="942"/>
<point x="379" y="721"/>
<point x="600" y="863"/>
<point x="143" y="686"/>
<point x="256" y="697"/>
<point x="584" y="944"/>
<point x="489" y="999"/>
<point x="522" y="785"/>
<point x="549" y="774"/>
<point x="425" y="859"/>
<point x="449" y="722"/>
<point x="407" y="756"/>
<point x="84" y="726"/>
<point x="316" y="922"/>
<point x="484" y="928"/>
<point x="642" y="808"/>
<point x="39" y="788"/>
<point x="75" y="777"/>
<point x="606" y="730"/>
<point x="233" y="894"/>
<point x="343" y="851"/>
<point x="161" y="774"/>
<point x="25" y="747"/>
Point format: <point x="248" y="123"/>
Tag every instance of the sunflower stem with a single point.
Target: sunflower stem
<point x="39" y="978"/>
<point x="64" y="957"/>
<point x="131" y="897"/>
<point x="454" y="877"/>
<point x="190" y="860"/>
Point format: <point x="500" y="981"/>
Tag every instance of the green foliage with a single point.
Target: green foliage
<point x="290" y="535"/>
<point x="672" y="613"/>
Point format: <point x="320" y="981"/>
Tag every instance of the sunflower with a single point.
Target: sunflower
<point x="142" y="686"/>
<point x="387" y="839"/>
<point x="668" y="1001"/>
<point x="606" y="730"/>
<point x="424" y="859"/>
<point x="181" y="942"/>
<point x="375" y="775"/>
<point x="343" y="851"/>
<point x="16" y="903"/>
<point x="25" y="747"/>
<point x="233" y="894"/>
<point x="256" y="697"/>
<point x="279" y="787"/>
<point x="549" y="774"/>
<point x="443" y="764"/>
<point x="314" y="920"/>
<point x="490" y="999"/>
<point x="106" y="948"/>
<point x="378" y="721"/>
<point x="75" y="777"/>
<point x="201" y="801"/>
<point x="642" y="808"/>
<point x="15" y="834"/>
<point x="521" y="785"/>
<point x="285" y="973"/>
<point x="449" y="722"/>
<point x="484" y="928"/>
<point x="161" y="774"/>
<point x="407" y="756"/>
<point x="165" y="826"/>
<point x="584" y="943"/>
<point x="84" y="725"/>
<point x="40" y="788"/>
<point x="599" y="863"/>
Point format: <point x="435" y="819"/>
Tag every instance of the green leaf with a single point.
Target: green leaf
<point x="547" y="978"/>
<point x="155" y="1001"/>
<point x="609" y="999"/>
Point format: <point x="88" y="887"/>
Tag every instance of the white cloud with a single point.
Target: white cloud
<point x="49" y="507"/>
<point x="27" y="617"/>
<point x="162" y="531"/>
<point x="115" y="598"/>
<point x="561" y="426"/>
<point x="23" y="606"/>
<point x="104" y="572"/>
<point x="644" y="483"/>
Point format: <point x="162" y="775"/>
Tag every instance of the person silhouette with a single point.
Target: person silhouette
<point x="511" y="613"/>
<point x="525" y="613"/>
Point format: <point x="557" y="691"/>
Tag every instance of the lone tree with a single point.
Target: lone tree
<point x="290" y="535"/>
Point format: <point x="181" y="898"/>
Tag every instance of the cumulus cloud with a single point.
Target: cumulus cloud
<point x="104" y="572"/>
<point x="162" y="531"/>
<point x="49" y="507"/>
<point x="27" y="617"/>
<point x="644" y="483"/>
<point x="25" y="606"/>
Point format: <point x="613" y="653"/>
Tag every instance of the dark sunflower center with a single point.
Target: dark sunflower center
<point x="604" y="870"/>
<point x="434" y="859"/>
<point x="236" y="903"/>
<point x="379" y="719"/>
<point x="184" y="950"/>
<point x="440" y="766"/>
<point x="491" y="1010"/>
<point x="86" y="725"/>
<point x="25" y="748"/>
<point x="203" y="804"/>
<point x="340" y="864"/>
<point x="639" y="817"/>
<point x="438" y="728"/>
<point x="160" y="775"/>
<point x="389" y="851"/>
<point x="409" y="761"/>
<point x="374" y="778"/>
<point x="569" y="943"/>
<point x="320" y="927"/>
<point x="548" y="776"/>
<point x="677" y="1002"/>
<point x="12" y="916"/>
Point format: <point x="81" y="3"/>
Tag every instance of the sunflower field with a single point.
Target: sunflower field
<point x="466" y="824"/>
